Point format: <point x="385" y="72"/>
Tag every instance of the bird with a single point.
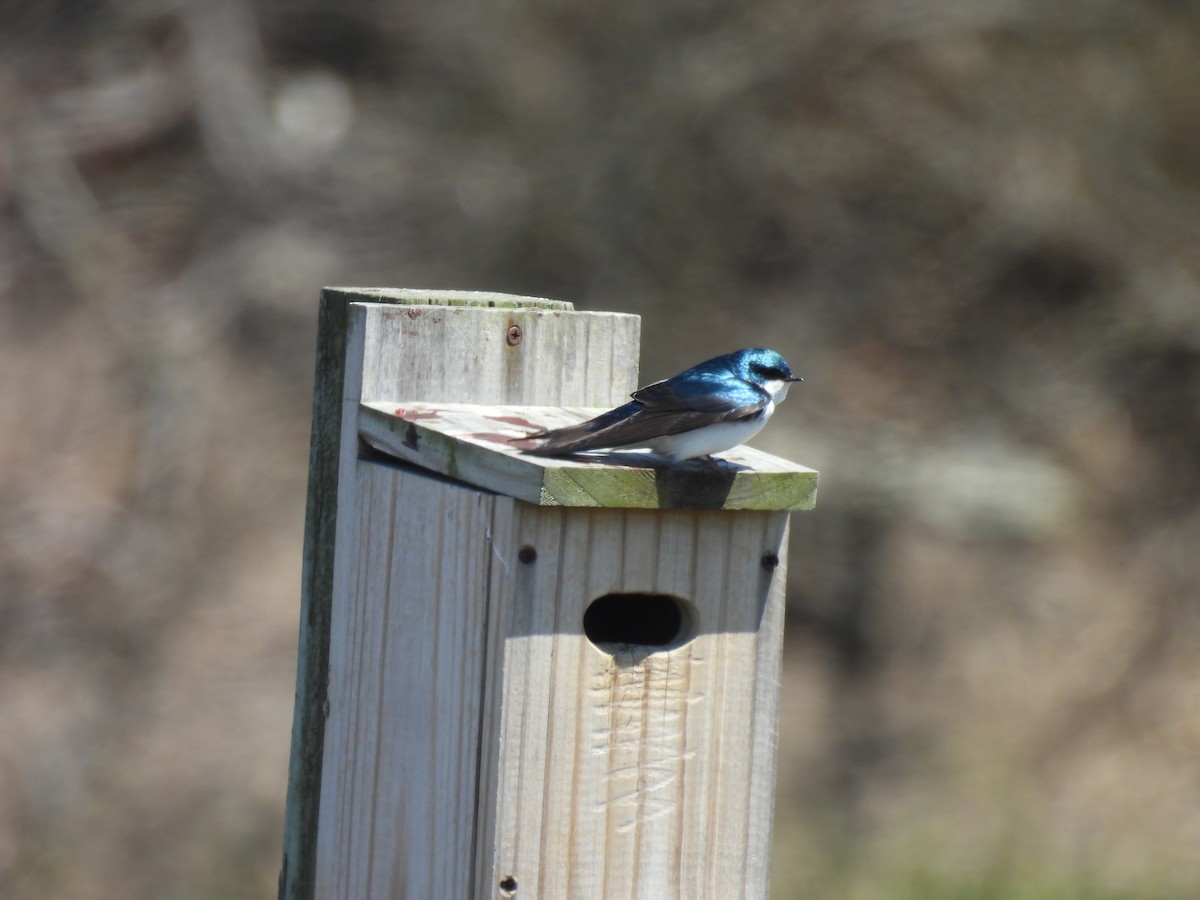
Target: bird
<point x="711" y="407"/>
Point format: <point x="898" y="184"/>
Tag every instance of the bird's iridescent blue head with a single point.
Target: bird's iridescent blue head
<point x="767" y="369"/>
<point x="766" y="365"/>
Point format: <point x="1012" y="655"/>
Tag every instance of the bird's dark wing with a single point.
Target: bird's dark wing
<point x="657" y="410"/>
<point x="708" y="393"/>
<point x="583" y="436"/>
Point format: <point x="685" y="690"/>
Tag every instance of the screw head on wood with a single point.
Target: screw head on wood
<point x="770" y="561"/>
<point x="514" y="335"/>
<point x="527" y="555"/>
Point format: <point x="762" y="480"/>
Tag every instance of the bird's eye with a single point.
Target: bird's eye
<point x="770" y="373"/>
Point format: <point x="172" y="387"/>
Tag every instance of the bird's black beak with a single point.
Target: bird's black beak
<point x="793" y="378"/>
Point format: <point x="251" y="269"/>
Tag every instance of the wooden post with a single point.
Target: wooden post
<point x="522" y="677"/>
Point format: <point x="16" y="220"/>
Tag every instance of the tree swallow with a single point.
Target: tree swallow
<point x="711" y="407"/>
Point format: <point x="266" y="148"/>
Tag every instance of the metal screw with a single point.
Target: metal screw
<point x="527" y="555"/>
<point x="770" y="561"/>
<point x="514" y="335"/>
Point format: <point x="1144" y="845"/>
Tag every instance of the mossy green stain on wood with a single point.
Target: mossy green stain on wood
<point x="418" y="297"/>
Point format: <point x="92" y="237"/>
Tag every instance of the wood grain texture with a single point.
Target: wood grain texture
<point x="472" y="443"/>
<point x="463" y="355"/>
<point x="624" y="772"/>
<point x="407" y="655"/>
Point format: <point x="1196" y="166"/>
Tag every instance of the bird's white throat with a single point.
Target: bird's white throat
<point x="777" y="388"/>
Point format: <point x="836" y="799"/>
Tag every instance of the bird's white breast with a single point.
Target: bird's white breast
<point x="711" y="438"/>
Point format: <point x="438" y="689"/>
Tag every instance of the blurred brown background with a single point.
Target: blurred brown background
<point x="973" y="227"/>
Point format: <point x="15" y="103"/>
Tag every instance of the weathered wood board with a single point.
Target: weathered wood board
<point x="482" y="445"/>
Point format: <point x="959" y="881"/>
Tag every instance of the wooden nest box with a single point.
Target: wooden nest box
<point x="518" y="676"/>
